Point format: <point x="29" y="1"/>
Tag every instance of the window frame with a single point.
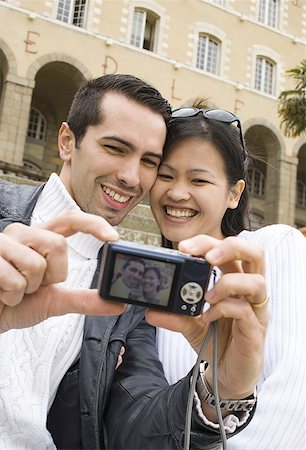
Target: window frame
<point x="209" y="39"/>
<point x="253" y="173"/>
<point x="147" y="17"/>
<point x="72" y="5"/>
<point x="260" y="84"/>
<point x="41" y="122"/>
<point x="264" y="9"/>
<point x="301" y="204"/>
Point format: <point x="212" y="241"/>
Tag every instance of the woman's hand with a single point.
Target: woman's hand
<point x="232" y="300"/>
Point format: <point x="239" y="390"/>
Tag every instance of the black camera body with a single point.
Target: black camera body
<point x="159" y="278"/>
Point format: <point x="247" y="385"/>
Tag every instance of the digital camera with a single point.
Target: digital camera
<point x="154" y="277"/>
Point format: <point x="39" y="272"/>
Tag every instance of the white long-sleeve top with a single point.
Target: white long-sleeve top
<point x="279" y="420"/>
<point x="34" y="360"/>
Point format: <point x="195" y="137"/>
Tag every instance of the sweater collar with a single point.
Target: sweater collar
<point x="55" y="200"/>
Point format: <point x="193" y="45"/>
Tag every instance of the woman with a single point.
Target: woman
<point x="151" y="284"/>
<point x="201" y="190"/>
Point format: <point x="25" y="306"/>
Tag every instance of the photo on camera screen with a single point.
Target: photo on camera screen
<point x="142" y="279"/>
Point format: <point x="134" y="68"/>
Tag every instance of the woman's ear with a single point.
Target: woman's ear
<point x="66" y="142"/>
<point x="235" y="194"/>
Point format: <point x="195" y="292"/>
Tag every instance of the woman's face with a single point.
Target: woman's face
<point x="150" y="283"/>
<point x="191" y="193"/>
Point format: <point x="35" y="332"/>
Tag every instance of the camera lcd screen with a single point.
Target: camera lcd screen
<point x="144" y="280"/>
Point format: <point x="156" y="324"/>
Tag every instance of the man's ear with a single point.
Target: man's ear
<point x="235" y="194"/>
<point x="66" y="142"/>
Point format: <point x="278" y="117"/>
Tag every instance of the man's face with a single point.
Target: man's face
<point x="115" y="164"/>
<point x="132" y="274"/>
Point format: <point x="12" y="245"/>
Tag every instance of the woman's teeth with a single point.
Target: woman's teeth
<point x="180" y="212"/>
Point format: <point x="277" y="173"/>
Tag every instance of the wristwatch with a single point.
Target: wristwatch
<point x="206" y="396"/>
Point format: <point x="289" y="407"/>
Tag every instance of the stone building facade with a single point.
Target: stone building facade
<point x="235" y="53"/>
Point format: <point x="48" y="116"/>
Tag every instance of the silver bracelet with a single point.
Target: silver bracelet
<point x="205" y="395"/>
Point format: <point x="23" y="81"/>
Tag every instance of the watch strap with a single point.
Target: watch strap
<point x="206" y="396"/>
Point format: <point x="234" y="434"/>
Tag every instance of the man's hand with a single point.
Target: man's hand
<point x="33" y="259"/>
<point x="242" y="327"/>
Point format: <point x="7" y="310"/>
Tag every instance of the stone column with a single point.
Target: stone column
<point x="14" y="117"/>
<point x="287" y="190"/>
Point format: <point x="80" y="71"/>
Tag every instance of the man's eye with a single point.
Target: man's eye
<point x="114" y="149"/>
<point x="164" y="177"/>
<point x="150" y="162"/>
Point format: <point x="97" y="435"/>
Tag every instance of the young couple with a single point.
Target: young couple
<point x="112" y="146"/>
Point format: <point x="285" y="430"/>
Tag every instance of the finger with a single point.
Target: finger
<point x="86" y="302"/>
<point x="79" y="221"/>
<point x="53" y="300"/>
<point x="194" y="329"/>
<point x="12" y="284"/>
<point x="21" y="269"/>
<point x="52" y="247"/>
<point x="252" y="286"/>
<point x="120" y="357"/>
<point x="202" y="244"/>
<point x="168" y="320"/>
<point x="250" y="329"/>
<point x="227" y="253"/>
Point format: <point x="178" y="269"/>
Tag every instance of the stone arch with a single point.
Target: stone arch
<point x="267" y="146"/>
<point x="55" y="57"/>
<point x="7" y="55"/>
<point x="56" y="80"/>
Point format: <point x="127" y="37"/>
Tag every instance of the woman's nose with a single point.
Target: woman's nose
<point x="178" y="192"/>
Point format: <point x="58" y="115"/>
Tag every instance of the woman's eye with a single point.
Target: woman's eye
<point x="199" y="181"/>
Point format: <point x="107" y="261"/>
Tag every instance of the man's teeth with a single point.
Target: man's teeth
<point x="180" y="212"/>
<point x="115" y="195"/>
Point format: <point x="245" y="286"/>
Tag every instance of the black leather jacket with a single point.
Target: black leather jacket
<point x="98" y="407"/>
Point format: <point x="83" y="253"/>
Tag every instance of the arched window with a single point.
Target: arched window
<point x="72" y="11"/>
<point x="37" y="125"/>
<point x="208" y="54"/>
<point x="257" y="182"/>
<point x="144" y="28"/>
<point x="300" y="194"/>
<point x="268" y="12"/>
<point x="264" y="75"/>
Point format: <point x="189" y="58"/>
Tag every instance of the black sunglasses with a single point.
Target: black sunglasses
<point x="221" y="115"/>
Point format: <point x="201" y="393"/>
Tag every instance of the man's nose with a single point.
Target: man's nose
<point x="129" y="173"/>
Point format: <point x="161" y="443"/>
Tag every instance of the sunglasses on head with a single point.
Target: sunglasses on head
<point x="221" y="115"/>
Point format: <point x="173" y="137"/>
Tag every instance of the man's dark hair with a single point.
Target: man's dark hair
<point x="131" y="259"/>
<point x="86" y="107"/>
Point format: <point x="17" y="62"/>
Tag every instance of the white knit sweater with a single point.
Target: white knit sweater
<point x="279" y="420"/>
<point x="34" y="360"/>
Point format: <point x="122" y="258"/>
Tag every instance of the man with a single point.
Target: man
<point x="129" y="281"/>
<point x="111" y="146"/>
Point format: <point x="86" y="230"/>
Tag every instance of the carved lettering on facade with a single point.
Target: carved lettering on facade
<point x="173" y="97"/>
<point x="29" y="42"/>
<point x="110" y="65"/>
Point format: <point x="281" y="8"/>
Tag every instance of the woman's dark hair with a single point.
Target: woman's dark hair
<point x="226" y="139"/>
<point x="86" y="107"/>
